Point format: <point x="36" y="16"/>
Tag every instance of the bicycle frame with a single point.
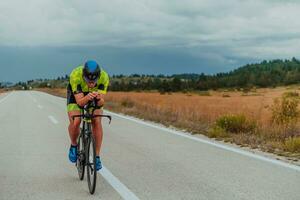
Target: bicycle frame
<point x="87" y="116"/>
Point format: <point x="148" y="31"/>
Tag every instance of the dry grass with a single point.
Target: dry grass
<point x="3" y="90"/>
<point x="61" y="92"/>
<point x="209" y="108"/>
<point x="198" y="112"/>
<point x="292" y="144"/>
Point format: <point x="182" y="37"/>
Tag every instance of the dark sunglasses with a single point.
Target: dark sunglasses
<point x="90" y="80"/>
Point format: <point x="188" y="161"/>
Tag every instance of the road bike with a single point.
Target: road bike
<point x="86" y="148"/>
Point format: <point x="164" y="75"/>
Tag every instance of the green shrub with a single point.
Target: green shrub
<point x="217" y="132"/>
<point x="203" y="93"/>
<point x="225" y="95"/>
<point x="285" y="111"/>
<point x="236" y="124"/>
<point x="292" y="144"/>
<point x="291" y="94"/>
<point x="246" y="89"/>
<point x="185" y="91"/>
<point x="162" y="92"/>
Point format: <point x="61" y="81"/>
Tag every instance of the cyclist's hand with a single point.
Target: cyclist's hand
<point x="91" y="96"/>
<point x="100" y="98"/>
<point x="96" y="94"/>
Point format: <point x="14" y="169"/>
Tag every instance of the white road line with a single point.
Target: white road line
<point x="39" y="106"/>
<point x="117" y="185"/>
<point x="222" y="146"/>
<point x="1" y="100"/>
<point x="52" y="119"/>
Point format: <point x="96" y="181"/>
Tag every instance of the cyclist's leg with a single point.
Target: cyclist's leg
<point x="97" y="130"/>
<point x="73" y="109"/>
<point x="73" y="131"/>
<point x="74" y="126"/>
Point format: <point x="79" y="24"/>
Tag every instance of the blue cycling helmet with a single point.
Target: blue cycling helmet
<point x="91" y="71"/>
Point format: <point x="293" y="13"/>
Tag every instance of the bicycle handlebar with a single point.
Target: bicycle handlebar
<point x="92" y="116"/>
<point x="91" y="104"/>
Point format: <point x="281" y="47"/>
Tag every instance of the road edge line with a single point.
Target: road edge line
<point x="123" y="191"/>
<point x="5" y="97"/>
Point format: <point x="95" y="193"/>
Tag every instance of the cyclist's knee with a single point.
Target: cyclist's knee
<point x="76" y="123"/>
<point x="96" y="122"/>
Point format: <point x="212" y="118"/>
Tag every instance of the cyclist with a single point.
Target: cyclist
<point x="86" y="83"/>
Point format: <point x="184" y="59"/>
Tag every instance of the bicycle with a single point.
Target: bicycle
<point x="86" y="145"/>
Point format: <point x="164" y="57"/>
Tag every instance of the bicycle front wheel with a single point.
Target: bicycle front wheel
<point x="80" y="164"/>
<point x="91" y="164"/>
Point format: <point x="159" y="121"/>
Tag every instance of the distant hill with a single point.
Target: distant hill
<point x="265" y="74"/>
<point x="6" y="84"/>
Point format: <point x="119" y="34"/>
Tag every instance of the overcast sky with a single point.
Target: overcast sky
<point x="48" y="38"/>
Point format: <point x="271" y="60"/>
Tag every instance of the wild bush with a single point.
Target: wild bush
<point x="225" y="95"/>
<point x="291" y="94"/>
<point x="204" y="93"/>
<point x="285" y="111"/>
<point x="292" y="144"/>
<point x="217" y="132"/>
<point x="236" y="124"/>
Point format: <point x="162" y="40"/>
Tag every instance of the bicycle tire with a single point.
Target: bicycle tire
<point x="91" y="164"/>
<point x="80" y="164"/>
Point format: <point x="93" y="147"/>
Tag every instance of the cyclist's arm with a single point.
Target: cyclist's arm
<point x="81" y="100"/>
<point x="100" y="98"/>
<point x="102" y="89"/>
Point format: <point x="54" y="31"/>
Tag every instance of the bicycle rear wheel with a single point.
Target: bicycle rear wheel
<point x="91" y="164"/>
<point x="80" y="164"/>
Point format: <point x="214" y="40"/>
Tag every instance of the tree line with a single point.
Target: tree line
<point x="265" y="74"/>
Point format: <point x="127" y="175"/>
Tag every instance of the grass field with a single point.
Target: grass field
<point x="54" y="91"/>
<point x="2" y="90"/>
<point x="202" y="108"/>
<point x="199" y="113"/>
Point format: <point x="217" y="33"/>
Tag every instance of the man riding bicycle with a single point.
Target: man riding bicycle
<point x="86" y="83"/>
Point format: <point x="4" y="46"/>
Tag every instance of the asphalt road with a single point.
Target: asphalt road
<point x="142" y="161"/>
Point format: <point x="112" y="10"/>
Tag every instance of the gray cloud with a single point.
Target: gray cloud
<point x="146" y="23"/>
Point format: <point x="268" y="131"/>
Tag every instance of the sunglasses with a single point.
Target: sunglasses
<point x="90" y="81"/>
